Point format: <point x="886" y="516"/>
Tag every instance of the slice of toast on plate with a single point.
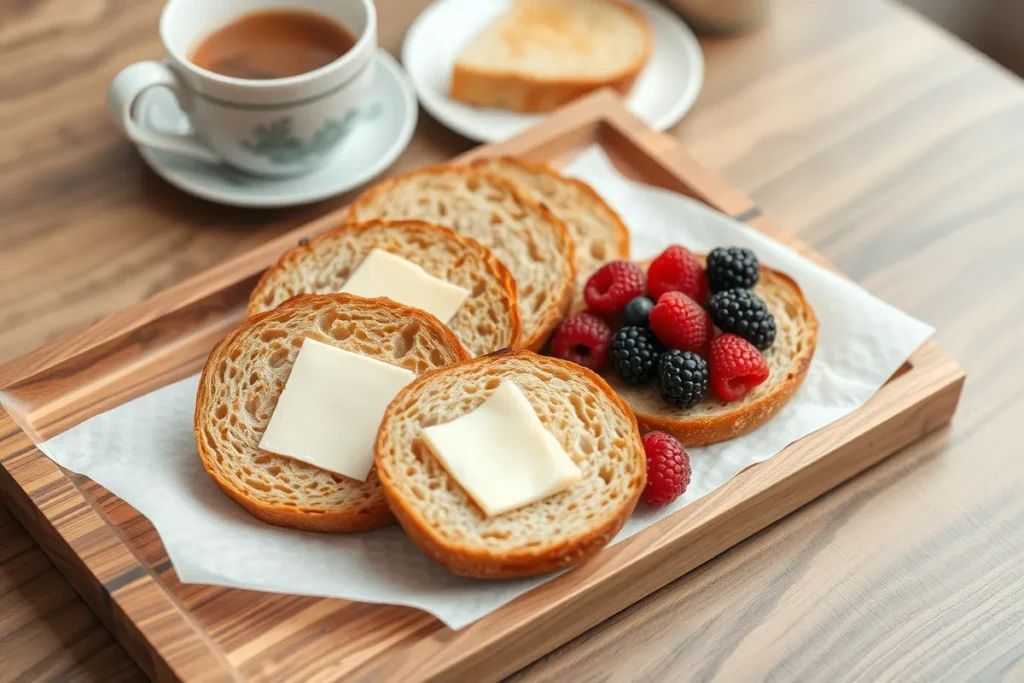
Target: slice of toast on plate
<point x="541" y="54"/>
<point x="487" y="321"/>
<point x="597" y="231"/>
<point x="592" y="425"/>
<point x="243" y="379"/>
<point x="526" y="236"/>
<point x="714" y="420"/>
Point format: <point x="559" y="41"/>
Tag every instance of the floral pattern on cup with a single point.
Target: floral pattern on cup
<point x="277" y="142"/>
<point x="273" y="127"/>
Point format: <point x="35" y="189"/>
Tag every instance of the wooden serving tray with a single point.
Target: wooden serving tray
<point x="114" y="558"/>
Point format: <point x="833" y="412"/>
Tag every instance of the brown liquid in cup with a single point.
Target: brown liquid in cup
<point x="273" y="44"/>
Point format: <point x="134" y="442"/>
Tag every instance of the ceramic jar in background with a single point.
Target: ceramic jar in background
<point x="722" y="16"/>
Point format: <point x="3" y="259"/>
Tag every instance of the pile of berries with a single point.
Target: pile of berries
<point x="686" y="327"/>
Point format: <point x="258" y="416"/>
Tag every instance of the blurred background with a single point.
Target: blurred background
<point x="995" y="27"/>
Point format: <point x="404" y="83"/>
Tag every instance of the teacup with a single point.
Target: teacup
<point x="278" y="127"/>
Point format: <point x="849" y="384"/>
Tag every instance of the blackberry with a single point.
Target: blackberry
<point x="634" y="354"/>
<point x="732" y="268"/>
<point x="636" y="311"/>
<point x="682" y="378"/>
<point x="743" y="313"/>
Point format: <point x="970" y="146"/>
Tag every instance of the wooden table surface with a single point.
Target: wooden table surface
<point x="892" y="149"/>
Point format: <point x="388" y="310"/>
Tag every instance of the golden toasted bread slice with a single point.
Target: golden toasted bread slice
<point x="242" y="382"/>
<point x="541" y="54"/>
<point x="593" y="426"/>
<point x="487" y="321"/>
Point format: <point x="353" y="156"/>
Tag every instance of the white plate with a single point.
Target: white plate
<point x="371" y="148"/>
<point x="665" y="90"/>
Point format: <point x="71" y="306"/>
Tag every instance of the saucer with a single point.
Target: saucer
<point x="665" y="90"/>
<point x="387" y="125"/>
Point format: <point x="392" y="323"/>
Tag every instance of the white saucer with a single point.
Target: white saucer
<point x="665" y="90"/>
<point x="366" y="153"/>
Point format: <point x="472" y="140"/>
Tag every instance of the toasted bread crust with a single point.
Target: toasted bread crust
<point x="335" y="521"/>
<point x="703" y="430"/>
<point x="471" y="562"/>
<point x="371" y="515"/>
<point x="528" y="94"/>
<point x="533" y="336"/>
<point x="481" y="565"/>
<point x="618" y="248"/>
<point x="494" y="267"/>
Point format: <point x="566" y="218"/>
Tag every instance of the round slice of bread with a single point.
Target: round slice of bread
<point x="592" y="424"/>
<point x="597" y="231"/>
<point x="243" y="379"/>
<point x="486" y="322"/>
<point x="713" y="420"/>
<point x="526" y="236"/>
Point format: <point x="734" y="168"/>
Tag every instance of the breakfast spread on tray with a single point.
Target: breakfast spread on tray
<point x="388" y="370"/>
<point x="540" y="55"/>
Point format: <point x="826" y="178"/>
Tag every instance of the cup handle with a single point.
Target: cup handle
<point x="125" y="90"/>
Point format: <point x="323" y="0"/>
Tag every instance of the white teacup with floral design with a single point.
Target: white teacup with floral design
<point x="279" y="127"/>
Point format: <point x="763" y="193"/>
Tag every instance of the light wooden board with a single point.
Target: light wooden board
<point x="115" y="560"/>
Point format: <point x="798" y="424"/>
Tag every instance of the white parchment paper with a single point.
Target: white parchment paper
<point x="144" y="451"/>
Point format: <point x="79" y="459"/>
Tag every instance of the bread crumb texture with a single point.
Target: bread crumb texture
<point x="592" y="426"/>
<point x="246" y="373"/>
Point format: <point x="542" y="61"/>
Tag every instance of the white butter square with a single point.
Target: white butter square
<point x="382" y="273"/>
<point x="501" y="454"/>
<point x="331" y="407"/>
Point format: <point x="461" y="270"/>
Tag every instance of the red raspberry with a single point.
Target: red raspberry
<point x="736" y="367"/>
<point x="677" y="270"/>
<point x="679" y="322"/>
<point x="668" y="469"/>
<point x="583" y="338"/>
<point x="613" y="285"/>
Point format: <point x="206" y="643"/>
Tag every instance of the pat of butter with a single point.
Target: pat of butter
<point x="501" y="454"/>
<point x="331" y="407"/>
<point x="383" y="274"/>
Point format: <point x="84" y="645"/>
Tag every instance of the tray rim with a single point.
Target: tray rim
<point x="114" y="587"/>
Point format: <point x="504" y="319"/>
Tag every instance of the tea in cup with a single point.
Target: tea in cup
<point x="269" y="87"/>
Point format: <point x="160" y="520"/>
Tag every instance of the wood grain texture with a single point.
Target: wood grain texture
<point x="895" y="151"/>
<point x="886" y="145"/>
<point x="114" y="557"/>
<point x="992" y="26"/>
<point x="48" y="632"/>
